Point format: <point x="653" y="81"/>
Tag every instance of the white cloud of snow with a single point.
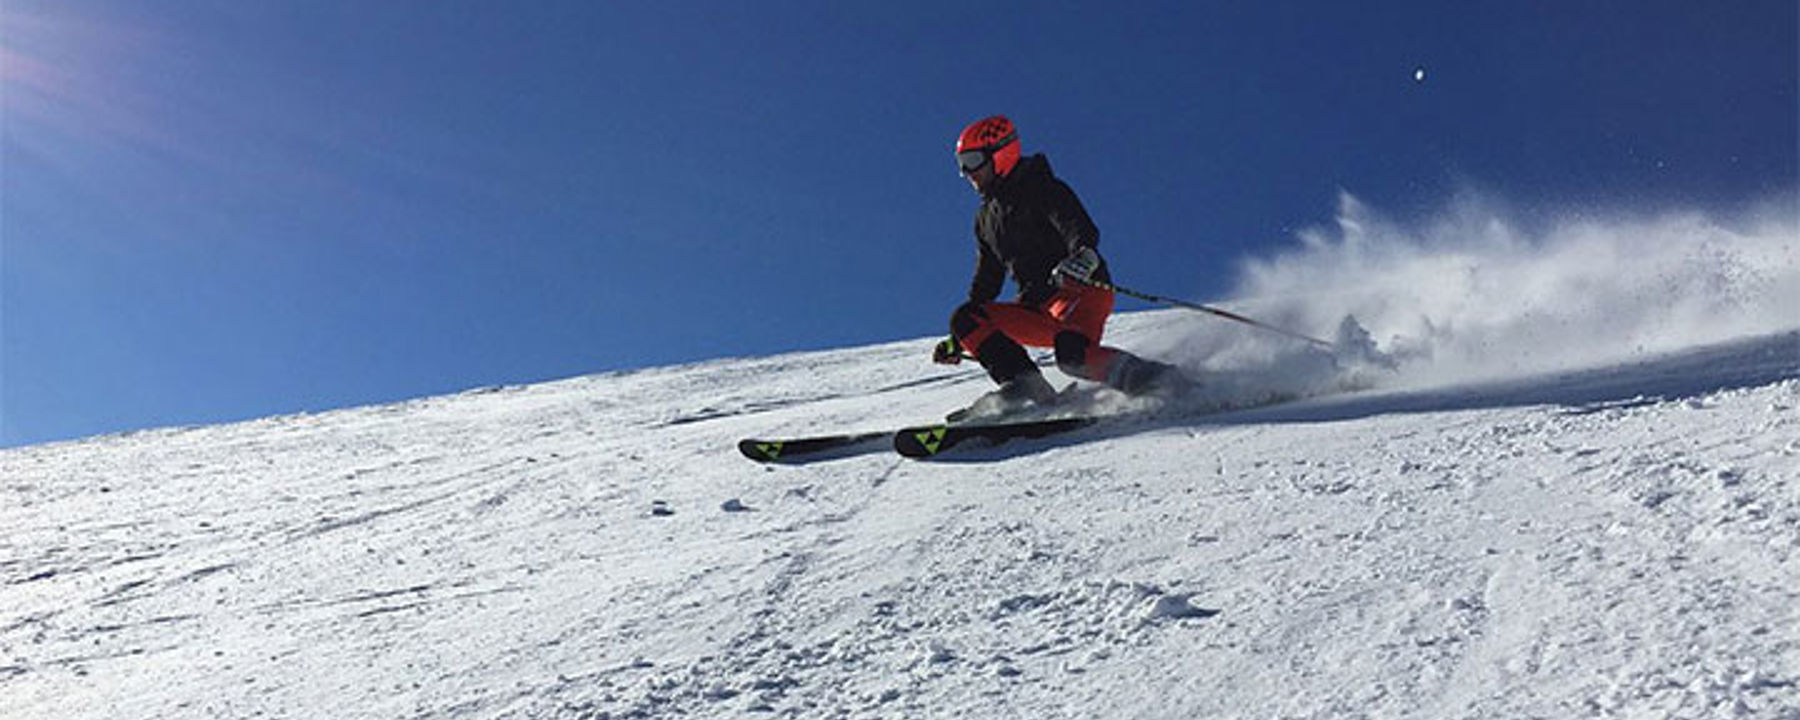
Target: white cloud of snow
<point x="1472" y="293"/>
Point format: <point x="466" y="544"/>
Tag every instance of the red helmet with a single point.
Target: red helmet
<point x="991" y="138"/>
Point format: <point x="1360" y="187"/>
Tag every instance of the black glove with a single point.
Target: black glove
<point x="947" y="352"/>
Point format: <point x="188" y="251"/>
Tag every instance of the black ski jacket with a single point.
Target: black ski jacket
<point x="1028" y="222"/>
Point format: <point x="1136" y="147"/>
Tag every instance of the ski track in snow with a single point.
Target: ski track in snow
<point x="1612" y="543"/>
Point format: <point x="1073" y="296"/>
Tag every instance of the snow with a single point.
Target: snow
<point x="1562" y="532"/>
<point x="595" y="548"/>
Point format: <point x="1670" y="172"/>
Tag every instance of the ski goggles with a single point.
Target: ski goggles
<point x="968" y="161"/>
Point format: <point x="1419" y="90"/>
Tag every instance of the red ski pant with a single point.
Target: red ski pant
<point x="1072" y="322"/>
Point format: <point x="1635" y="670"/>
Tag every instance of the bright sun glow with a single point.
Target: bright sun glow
<point x="66" y="76"/>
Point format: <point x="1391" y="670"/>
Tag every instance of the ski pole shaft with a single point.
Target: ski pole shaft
<point x="1227" y="314"/>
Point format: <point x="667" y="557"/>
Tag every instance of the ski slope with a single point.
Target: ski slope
<point x="1552" y="494"/>
<point x="1615" y="542"/>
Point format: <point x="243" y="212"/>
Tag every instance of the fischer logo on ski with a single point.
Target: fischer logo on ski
<point x="932" y="438"/>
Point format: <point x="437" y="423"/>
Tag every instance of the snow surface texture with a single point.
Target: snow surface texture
<point x="1603" y="521"/>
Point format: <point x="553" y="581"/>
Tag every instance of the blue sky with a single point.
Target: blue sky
<point x="218" y="210"/>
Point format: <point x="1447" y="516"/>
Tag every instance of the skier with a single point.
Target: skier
<point x="1031" y="224"/>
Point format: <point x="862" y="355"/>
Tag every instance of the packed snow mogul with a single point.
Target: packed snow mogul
<point x="1032" y="225"/>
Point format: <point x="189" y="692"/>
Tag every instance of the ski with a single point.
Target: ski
<point x="816" y="447"/>
<point x="926" y="441"/>
<point x="919" y="441"/>
<point x="929" y="440"/>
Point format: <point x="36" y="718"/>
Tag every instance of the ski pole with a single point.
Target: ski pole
<point x="1227" y="314"/>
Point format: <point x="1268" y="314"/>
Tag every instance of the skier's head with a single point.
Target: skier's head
<point x="987" y="147"/>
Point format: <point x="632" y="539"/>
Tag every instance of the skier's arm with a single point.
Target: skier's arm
<point x="1070" y="219"/>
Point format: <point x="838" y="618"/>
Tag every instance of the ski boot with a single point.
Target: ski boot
<point x="1028" y="390"/>
<point x="1136" y="376"/>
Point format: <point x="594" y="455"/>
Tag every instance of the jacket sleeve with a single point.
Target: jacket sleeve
<point x="990" y="275"/>
<point x="1069" y="218"/>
